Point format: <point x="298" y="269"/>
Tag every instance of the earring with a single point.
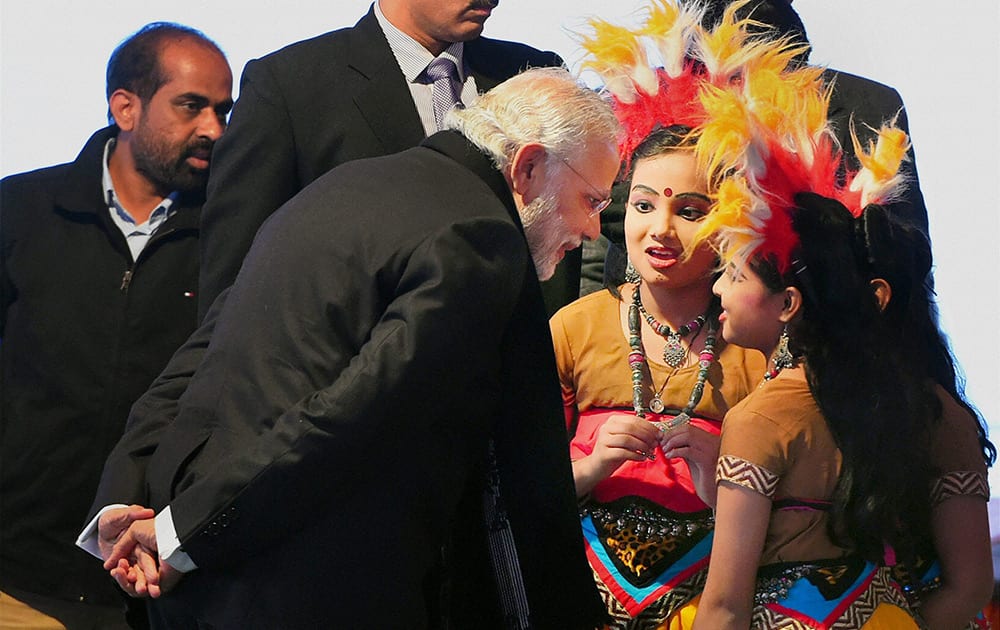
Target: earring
<point x="631" y="275"/>
<point x="782" y="355"/>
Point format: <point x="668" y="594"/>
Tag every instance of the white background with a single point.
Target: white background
<point x="944" y="58"/>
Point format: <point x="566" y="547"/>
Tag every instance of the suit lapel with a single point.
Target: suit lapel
<point x="385" y="101"/>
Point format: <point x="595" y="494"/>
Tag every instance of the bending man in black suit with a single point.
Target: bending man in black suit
<point x="374" y="437"/>
<point x="353" y="93"/>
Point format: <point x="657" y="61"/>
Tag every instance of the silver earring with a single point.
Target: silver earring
<point x="782" y="355"/>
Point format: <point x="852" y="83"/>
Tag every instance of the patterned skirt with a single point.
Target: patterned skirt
<point x="842" y="594"/>
<point x="649" y="562"/>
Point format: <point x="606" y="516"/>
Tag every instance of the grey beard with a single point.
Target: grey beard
<point x="546" y="232"/>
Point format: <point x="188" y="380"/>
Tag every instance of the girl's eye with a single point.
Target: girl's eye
<point x="691" y="213"/>
<point x="643" y="206"/>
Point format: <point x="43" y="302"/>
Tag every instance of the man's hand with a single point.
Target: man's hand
<point x="135" y="580"/>
<point x="113" y="523"/>
<point x="139" y="532"/>
<point x="134" y="565"/>
<point x="138" y="576"/>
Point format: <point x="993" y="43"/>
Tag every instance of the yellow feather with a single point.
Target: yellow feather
<point x="672" y="27"/>
<point x="611" y="47"/>
<point x="618" y="55"/>
<point x="879" y="179"/>
<point x="663" y="16"/>
<point x="725" y="135"/>
<point x="885" y="157"/>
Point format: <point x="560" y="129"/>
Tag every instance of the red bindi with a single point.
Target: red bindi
<point x="669" y="192"/>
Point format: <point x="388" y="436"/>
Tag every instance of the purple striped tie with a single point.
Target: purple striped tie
<point x="445" y="93"/>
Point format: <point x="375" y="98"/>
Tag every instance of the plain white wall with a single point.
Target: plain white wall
<point x="943" y="58"/>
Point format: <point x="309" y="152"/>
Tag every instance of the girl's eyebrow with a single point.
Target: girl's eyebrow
<point x="696" y="195"/>
<point x="649" y="191"/>
<point x="644" y="188"/>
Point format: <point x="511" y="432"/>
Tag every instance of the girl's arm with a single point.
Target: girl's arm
<point x="741" y="520"/>
<point x="960" y="526"/>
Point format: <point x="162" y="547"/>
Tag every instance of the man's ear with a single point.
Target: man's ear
<point x="125" y="107"/>
<point x="883" y="292"/>
<point x="792" y="304"/>
<point x="527" y="170"/>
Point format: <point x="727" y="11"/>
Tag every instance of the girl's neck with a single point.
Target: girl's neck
<point x="676" y="306"/>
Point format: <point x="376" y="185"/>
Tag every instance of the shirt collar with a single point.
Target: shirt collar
<point x="411" y="56"/>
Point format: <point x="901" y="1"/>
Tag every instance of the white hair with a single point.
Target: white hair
<point x="540" y="105"/>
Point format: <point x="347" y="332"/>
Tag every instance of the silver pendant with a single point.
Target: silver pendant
<point x="678" y="420"/>
<point x="674" y="352"/>
<point x="656" y="405"/>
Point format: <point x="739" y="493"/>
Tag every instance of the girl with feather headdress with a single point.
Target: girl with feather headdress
<point x="824" y="472"/>
<point x="646" y="355"/>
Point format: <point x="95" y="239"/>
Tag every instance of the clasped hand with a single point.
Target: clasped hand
<point x="127" y="540"/>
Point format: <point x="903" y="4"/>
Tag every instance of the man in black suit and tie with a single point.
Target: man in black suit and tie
<point x="374" y="437"/>
<point x="353" y="93"/>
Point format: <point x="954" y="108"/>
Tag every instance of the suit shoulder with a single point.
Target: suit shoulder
<point x="511" y="56"/>
<point x="308" y="48"/>
<point x="847" y="83"/>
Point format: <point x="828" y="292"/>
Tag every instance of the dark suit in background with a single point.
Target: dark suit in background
<point x="328" y="462"/>
<point x="317" y="104"/>
<point x="872" y="104"/>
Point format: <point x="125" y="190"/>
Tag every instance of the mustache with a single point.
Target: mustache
<point x="198" y="146"/>
<point x="484" y="4"/>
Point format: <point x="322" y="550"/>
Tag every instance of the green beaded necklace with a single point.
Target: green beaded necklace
<point x="637" y="359"/>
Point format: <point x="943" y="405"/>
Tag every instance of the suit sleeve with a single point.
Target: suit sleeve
<point x="123" y="479"/>
<point x="254" y="171"/>
<point x="429" y="366"/>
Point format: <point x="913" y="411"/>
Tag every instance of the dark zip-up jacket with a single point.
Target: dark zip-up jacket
<point x="84" y="330"/>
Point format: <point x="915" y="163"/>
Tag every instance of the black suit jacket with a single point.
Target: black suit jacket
<point x="329" y="457"/>
<point x="317" y="104"/>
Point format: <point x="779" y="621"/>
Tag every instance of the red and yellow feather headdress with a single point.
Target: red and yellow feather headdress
<point x="760" y="119"/>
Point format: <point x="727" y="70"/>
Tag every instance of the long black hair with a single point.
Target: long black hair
<point x="900" y="254"/>
<point x="877" y="406"/>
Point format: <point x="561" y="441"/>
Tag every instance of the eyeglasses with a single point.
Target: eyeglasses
<point x="597" y="202"/>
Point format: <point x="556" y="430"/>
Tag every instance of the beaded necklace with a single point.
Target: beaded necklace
<point x="637" y="359"/>
<point x="674" y="352"/>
